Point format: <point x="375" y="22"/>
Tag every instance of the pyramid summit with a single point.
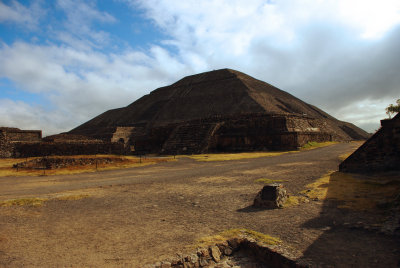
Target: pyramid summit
<point x="222" y="110"/>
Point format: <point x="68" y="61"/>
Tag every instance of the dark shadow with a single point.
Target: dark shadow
<point x="351" y="227"/>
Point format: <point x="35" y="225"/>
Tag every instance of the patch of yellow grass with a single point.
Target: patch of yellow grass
<point x="234" y="156"/>
<point x="319" y="188"/>
<point x="249" y="155"/>
<point x="239" y="233"/>
<point x="32" y="202"/>
<point x="72" y="197"/>
<point x="37" y="202"/>
<point x="313" y="144"/>
<point x="217" y="179"/>
<point x="342" y="157"/>
<point x="294" y="200"/>
<point x="357" y="192"/>
<point x="267" y="181"/>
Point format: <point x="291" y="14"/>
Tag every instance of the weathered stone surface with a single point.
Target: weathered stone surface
<point x="202" y="252"/>
<point x="9" y="137"/>
<point x="215" y="253"/>
<point x="251" y="254"/>
<point x="222" y="246"/>
<point x="203" y="262"/>
<point x="380" y="153"/>
<point x="228" y="251"/>
<point x="271" y="196"/>
<point x="193" y="258"/>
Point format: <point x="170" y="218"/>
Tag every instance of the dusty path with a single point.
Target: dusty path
<point x="141" y="215"/>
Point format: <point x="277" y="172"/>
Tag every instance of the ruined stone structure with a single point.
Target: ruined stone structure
<point x="11" y="137"/>
<point x="379" y="153"/>
<point x="225" y="254"/>
<point x="18" y="135"/>
<point x="222" y="110"/>
<point x="28" y="143"/>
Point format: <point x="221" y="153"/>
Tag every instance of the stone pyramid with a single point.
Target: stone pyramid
<point x="222" y="110"/>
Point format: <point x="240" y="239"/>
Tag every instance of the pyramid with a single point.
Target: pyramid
<point x="380" y="153"/>
<point x="222" y="110"/>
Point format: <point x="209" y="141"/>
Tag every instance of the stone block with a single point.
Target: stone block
<point x="271" y="196"/>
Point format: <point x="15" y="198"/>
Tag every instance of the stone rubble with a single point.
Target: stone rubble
<point x="235" y="252"/>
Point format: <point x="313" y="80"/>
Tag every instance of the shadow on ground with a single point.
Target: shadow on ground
<point x="357" y="221"/>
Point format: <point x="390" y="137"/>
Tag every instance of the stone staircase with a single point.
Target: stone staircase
<point x="189" y="138"/>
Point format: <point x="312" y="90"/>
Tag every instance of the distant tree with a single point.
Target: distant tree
<point x="392" y="109"/>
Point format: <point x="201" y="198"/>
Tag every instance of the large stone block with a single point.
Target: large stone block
<point x="271" y="196"/>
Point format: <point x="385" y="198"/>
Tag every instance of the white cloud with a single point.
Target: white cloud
<point x="80" y="18"/>
<point x="320" y="51"/>
<point x="372" y="18"/>
<point x="21" y="15"/>
<point x="22" y="115"/>
<point x="80" y="84"/>
<point x="329" y="53"/>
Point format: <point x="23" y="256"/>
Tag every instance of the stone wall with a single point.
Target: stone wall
<point x="250" y="132"/>
<point x="122" y="134"/>
<point x="379" y="153"/>
<point x="10" y="136"/>
<point x="29" y="143"/>
<point x="66" y="148"/>
<point x="17" y="135"/>
<point x="305" y="137"/>
<point x="6" y="147"/>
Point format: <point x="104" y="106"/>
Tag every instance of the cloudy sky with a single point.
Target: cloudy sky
<point x="63" y="62"/>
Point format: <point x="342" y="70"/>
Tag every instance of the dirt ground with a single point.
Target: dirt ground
<point x="142" y="215"/>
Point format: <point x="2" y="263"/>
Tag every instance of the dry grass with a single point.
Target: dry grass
<point x="234" y="156"/>
<point x="313" y="144"/>
<point x="342" y="157"/>
<point x="356" y="192"/>
<point x="31" y="202"/>
<point x="72" y="197"/>
<point x="239" y="233"/>
<point x="318" y="189"/>
<point x="267" y="181"/>
<point x="38" y="202"/>
<point x="6" y="165"/>
<point x="249" y="155"/>
<point x="294" y="200"/>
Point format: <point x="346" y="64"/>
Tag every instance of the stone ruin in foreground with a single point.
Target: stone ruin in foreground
<point x="380" y="153"/>
<point x="217" y="111"/>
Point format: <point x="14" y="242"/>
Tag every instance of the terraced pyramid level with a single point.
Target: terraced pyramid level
<point x="222" y="110"/>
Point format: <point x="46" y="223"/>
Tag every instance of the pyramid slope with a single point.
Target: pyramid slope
<point x="222" y="92"/>
<point x="380" y="153"/>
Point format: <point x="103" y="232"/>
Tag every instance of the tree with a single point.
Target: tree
<point x="392" y="109"/>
